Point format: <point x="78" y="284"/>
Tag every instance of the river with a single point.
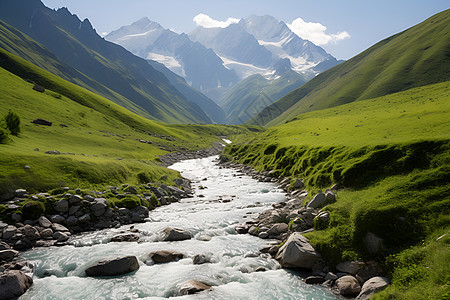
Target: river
<point x="228" y="199"/>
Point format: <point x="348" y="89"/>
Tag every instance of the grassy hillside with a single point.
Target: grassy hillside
<point x="98" y="139"/>
<point x="247" y="98"/>
<point x="415" y="57"/>
<point x="392" y="155"/>
<point x="76" y="44"/>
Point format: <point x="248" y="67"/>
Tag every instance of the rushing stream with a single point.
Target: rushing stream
<point x="210" y="216"/>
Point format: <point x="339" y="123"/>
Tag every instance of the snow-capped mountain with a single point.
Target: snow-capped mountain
<point x="200" y="66"/>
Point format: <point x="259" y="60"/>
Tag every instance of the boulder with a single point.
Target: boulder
<point x="44" y="222"/>
<point x="165" y="256"/>
<point x="175" y="234"/>
<point x="318" y="200"/>
<point x="72" y="221"/>
<point x="348" y="286"/>
<point x="8" y="254"/>
<point x="75" y="199"/>
<point x="297" y="253"/>
<point x="14" y="284"/>
<point x="350" y="267"/>
<point x="129" y="237"/>
<point x="372" y="286"/>
<point x="114" y="267"/>
<point x="371" y="269"/>
<point x="192" y="287"/>
<point x="59" y="227"/>
<point x="84" y="218"/>
<point x="57" y="219"/>
<point x="62" y="206"/>
<point x="38" y="88"/>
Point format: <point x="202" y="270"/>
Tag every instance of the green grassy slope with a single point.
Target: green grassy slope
<point x="100" y="143"/>
<point x="415" y="57"/>
<point x="392" y="154"/>
<point x="246" y="99"/>
<point x="77" y="45"/>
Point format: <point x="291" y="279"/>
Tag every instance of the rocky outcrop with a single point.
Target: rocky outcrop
<point x="14" y="284"/>
<point x="113" y="267"/>
<point x="297" y="253"/>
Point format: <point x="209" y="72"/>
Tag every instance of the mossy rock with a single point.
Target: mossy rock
<point x="33" y="210"/>
<point x="129" y="202"/>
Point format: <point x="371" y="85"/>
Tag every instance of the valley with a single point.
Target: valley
<point x="277" y="170"/>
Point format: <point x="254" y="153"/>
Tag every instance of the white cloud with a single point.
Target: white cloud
<point x="315" y="32"/>
<point x="208" y="22"/>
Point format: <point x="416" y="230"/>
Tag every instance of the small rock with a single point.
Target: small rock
<point x="47" y="233"/>
<point x="278" y="229"/>
<point x="175" y="234"/>
<point x="298" y="184"/>
<point x="31" y="233"/>
<point x="114" y="267"/>
<point x="75" y="199"/>
<point x="57" y="219"/>
<point x="44" y="222"/>
<point x="317" y="201"/>
<point x="61" y="206"/>
<point x="20" y="193"/>
<point x="372" y="286"/>
<point x="165" y="256"/>
<point x="60" y="236"/>
<point x="201" y="259"/>
<point x="8" y="254"/>
<point x="350" y="267"/>
<point x="130" y="237"/>
<point x="263" y="235"/>
<point x="192" y="287"/>
<point x="297" y="253"/>
<point x="348" y="286"/>
<point x="331" y="276"/>
<point x="98" y="209"/>
<point x="314" y="280"/>
<point x="4" y="246"/>
<point x="59" y="227"/>
<point x="261" y="269"/>
<point x="9" y="232"/>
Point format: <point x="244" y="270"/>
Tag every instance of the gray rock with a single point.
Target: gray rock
<point x="47" y="233"/>
<point x="175" y="234"/>
<point x="88" y="198"/>
<point x="372" y="286"/>
<point x="297" y="253"/>
<point x="57" y="219"/>
<point x="200" y="259"/>
<point x="278" y="229"/>
<point x="165" y="256"/>
<point x="13" y="284"/>
<point x="3" y="225"/>
<point x="84" y="218"/>
<point x="98" y="208"/>
<point x="31" y="232"/>
<point x="348" y="286"/>
<point x="60" y="236"/>
<point x="318" y="200"/>
<point x="73" y="209"/>
<point x="114" y="267"/>
<point x="372" y="243"/>
<point x="72" y="221"/>
<point x="331" y="276"/>
<point x="100" y="200"/>
<point x="9" y="231"/>
<point x="59" y="227"/>
<point x="371" y="269"/>
<point x="263" y="235"/>
<point x="75" y="199"/>
<point x="8" y="254"/>
<point x="44" y="222"/>
<point x="61" y="206"/>
<point x="192" y="287"/>
<point x="330" y="197"/>
<point x="298" y="184"/>
<point x="350" y="267"/>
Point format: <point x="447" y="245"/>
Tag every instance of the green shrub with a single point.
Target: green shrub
<point x="154" y="201"/>
<point x="33" y="210"/>
<point x="12" y="121"/>
<point x="143" y="177"/>
<point x="4" y="134"/>
<point x="130" y="201"/>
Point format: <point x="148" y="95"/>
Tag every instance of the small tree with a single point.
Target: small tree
<point x="13" y="123"/>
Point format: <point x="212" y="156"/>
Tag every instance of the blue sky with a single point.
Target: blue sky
<point x="351" y="26"/>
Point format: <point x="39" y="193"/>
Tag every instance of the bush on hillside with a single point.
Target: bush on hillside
<point x="4" y="134"/>
<point x="12" y="121"/>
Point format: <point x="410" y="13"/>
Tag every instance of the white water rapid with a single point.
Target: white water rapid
<point x="210" y="216"/>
